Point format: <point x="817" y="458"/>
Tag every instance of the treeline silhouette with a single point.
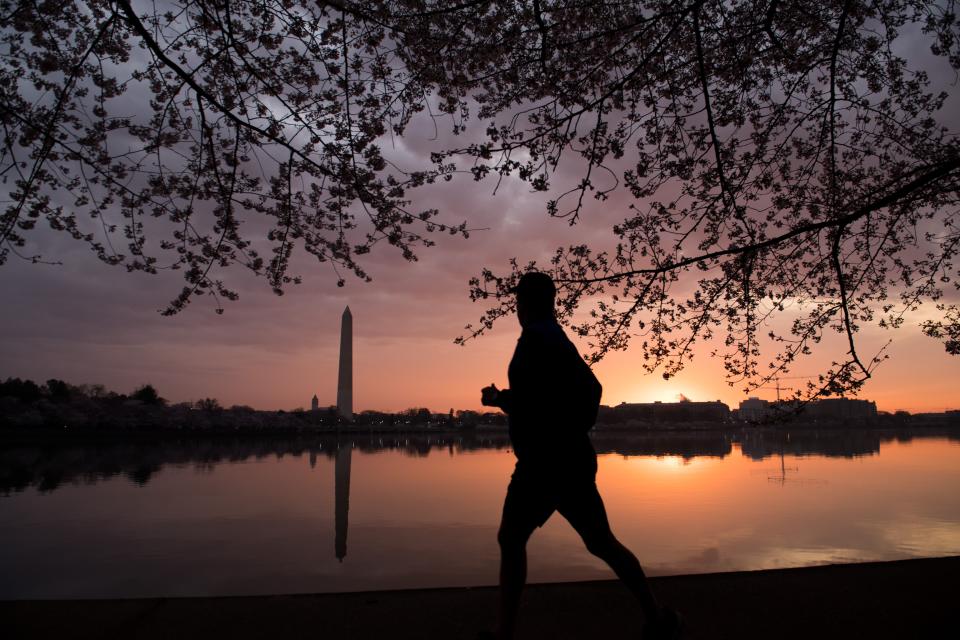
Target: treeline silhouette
<point x="50" y="465"/>
<point x="59" y="405"/>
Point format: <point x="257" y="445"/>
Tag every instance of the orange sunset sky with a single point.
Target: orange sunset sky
<point x="85" y="322"/>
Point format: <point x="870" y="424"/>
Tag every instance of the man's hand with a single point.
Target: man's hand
<point x="490" y="396"/>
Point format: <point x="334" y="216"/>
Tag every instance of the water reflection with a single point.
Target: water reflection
<point x="48" y="466"/>
<point x="231" y="516"/>
<point x="341" y="474"/>
<point x="829" y="443"/>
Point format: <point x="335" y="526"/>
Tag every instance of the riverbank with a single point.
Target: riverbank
<point x="902" y="599"/>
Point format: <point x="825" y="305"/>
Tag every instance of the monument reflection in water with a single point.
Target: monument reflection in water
<point x="341" y="475"/>
<point x="221" y="516"/>
<point x="342" y="489"/>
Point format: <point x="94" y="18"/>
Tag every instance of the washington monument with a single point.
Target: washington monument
<point x="345" y="381"/>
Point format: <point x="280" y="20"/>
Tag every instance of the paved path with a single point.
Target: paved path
<point x="903" y="600"/>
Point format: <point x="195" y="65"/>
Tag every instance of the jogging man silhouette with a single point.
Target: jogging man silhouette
<point x="551" y="405"/>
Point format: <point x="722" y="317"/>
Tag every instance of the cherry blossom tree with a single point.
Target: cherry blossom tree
<point x="773" y="158"/>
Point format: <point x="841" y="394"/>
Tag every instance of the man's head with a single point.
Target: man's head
<point x="536" y="297"/>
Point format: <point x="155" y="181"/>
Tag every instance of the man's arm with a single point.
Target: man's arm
<point x="505" y="400"/>
<point x="500" y="398"/>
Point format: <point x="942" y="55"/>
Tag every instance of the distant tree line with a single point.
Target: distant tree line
<point x="423" y="416"/>
<point x="58" y="391"/>
<point x="25" y="404"/>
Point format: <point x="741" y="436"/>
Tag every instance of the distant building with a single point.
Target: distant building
<point x="674" y="412"/>
<point x="753" y="410"/>
<point x="828" y="410"/>
<point x="315" y="403"/>
<point x="841" y="410"/>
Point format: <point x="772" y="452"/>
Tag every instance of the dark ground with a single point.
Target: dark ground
<point x="904" y="600"/>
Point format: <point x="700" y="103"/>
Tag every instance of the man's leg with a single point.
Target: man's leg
<point x="513" y="576"/>
<point x="524" y="509"/>
<point x="585" y="511"/>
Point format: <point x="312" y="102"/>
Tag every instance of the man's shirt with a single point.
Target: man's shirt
<point x="544" y="376"/>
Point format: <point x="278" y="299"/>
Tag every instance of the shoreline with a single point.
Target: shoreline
<point x="913" y="598"/>
<point x="9" y="435"/>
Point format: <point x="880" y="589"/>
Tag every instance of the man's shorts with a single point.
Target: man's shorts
<point x="533" y="496"/>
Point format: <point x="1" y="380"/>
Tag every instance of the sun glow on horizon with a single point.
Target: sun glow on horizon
<point x="668" y="393"/>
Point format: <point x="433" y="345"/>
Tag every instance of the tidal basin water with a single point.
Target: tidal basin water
<point x="220" y="516"/>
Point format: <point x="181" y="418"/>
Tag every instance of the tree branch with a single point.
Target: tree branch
<point x="931" y="173"/>
<point x="187" y="78"/>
